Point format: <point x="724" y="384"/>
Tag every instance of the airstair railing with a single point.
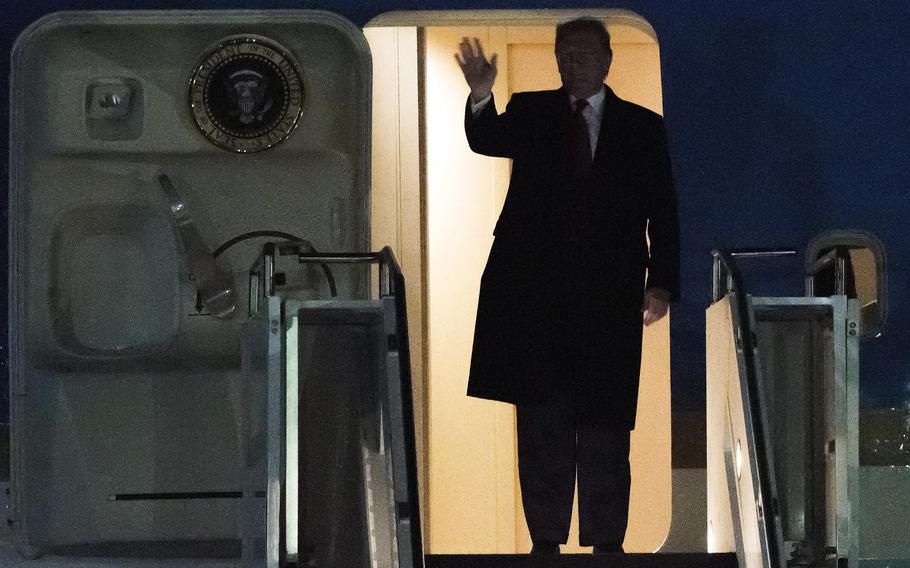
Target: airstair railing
<point x="728" y="280"/>
<point x="391" y="284"/>
<point x="388" y="287"/>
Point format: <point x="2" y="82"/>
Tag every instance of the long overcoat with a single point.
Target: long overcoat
<point x="559" y="313"/>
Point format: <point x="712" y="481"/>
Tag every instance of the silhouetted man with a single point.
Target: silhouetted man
<point x="564" y="295"/>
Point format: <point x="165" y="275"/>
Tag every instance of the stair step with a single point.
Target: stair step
<point x="677" y="560"/>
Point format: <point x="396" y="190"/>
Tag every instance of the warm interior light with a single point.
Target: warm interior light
<point x="472" y="441"/>
<point x="739" y="460"/>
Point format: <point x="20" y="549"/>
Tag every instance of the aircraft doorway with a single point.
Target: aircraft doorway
<point x="435" y="202"/>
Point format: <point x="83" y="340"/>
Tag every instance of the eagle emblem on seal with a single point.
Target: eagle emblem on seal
<point x="246" y="94"/>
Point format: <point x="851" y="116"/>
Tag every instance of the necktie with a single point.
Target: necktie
<point x="580" y="145"/>
<point x="580" y="174"/>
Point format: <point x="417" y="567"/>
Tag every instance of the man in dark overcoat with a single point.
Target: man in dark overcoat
<point x="564" y="293"/>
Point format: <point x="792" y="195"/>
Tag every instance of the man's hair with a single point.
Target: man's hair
<point x="585" y="25"/>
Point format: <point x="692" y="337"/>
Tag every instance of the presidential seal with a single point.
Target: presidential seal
<point x="247" y="94"/>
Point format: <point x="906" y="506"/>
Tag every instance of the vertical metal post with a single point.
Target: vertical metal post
<point x="268" y="273"/>
<point x="276" y="435"/>
<point x="840" y="274"/>
<point x="254" y="293"/>
<point x="383" y="280"/>
<point x="716" y="277"/>
<point x="848" y="454"/>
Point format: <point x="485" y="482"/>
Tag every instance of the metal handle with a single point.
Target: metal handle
<point x="214" y="286"/>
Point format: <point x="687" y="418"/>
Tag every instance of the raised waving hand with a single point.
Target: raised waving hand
<point x="478" y="72"/>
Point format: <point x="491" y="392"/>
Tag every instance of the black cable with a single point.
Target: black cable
<point x="333" y="289"/>
<point x="256" y="234"/>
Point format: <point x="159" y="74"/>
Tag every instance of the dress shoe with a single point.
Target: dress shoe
<point x="545" y="549"/>
<point x="608" y="549"/>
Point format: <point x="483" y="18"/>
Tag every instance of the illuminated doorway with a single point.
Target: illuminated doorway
<point x="436" y="203"/>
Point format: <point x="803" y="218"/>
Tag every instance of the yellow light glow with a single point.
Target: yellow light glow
<point x="739" y="460"/>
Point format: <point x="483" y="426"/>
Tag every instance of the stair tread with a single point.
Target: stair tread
<point x="631" y="560"/>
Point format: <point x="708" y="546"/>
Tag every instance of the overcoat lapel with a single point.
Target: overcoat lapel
<point x="563" y="110"/>
<point x="609" y="141"/>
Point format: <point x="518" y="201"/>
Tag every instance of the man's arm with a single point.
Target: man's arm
<point x="487" y="132"/>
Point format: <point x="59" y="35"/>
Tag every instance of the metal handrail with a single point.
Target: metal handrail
<point x="389" y="270"/>
<point x="263" y="271"/>
<point x="391" y="285"/>
<point x="836" y="257"/>
<point x="739" y="253"/>
<point x="725" y="263"/>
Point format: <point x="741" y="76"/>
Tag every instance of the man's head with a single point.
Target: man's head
<point x="583" y="55"/>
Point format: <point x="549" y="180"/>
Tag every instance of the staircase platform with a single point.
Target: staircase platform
<point x="676" y="560"/>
